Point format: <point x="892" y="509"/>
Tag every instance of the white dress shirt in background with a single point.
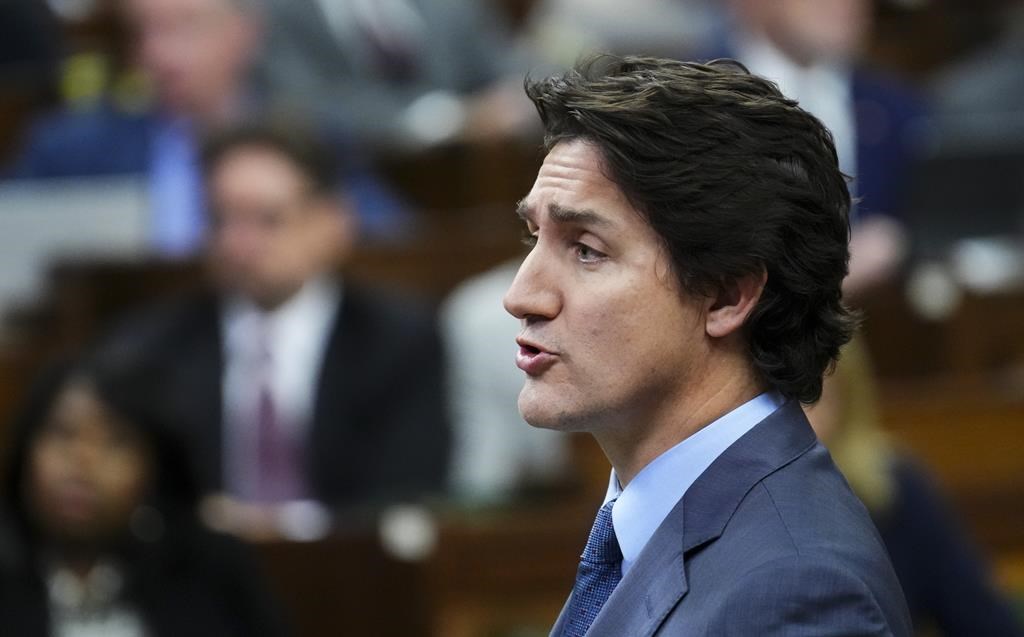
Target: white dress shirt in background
<point x="295" y="336"/>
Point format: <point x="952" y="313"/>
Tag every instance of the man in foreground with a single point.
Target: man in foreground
<point x="681" y="299"/>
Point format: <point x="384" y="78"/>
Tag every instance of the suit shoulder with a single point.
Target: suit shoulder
<point x="77" y="143"/>
<point x="808" y="594"/>
<point x="369" y="307"/>
<point x="166" y="324"/>
<point x="815" y="503"/>
<point x="897" y="97"/>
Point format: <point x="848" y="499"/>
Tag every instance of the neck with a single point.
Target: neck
<point x="633" y="445"/>
<point x="80" y="560"/>
<point x="213" y="112"/>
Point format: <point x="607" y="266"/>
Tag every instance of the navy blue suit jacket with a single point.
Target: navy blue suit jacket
<point x="768" y="541"/>
<point x="105" y="140"/>
<point x="886" y="114"/>
<point x="90" y="142"/>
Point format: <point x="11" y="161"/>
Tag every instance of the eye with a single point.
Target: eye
<point x="586" y="254"/>
<point x="529" y="237"/>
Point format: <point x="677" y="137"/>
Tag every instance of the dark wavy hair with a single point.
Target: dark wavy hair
<point x="736" y="179"/>
<point x="128" y="391"/>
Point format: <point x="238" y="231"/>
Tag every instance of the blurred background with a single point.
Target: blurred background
<point x="257" y="248"/>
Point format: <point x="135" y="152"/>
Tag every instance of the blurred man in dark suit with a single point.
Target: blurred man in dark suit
<point x="292" y="384"/>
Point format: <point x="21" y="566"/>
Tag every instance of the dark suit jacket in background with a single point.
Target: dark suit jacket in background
<point x="197" y="583"/>
<point x="768" y="541"/>
<point x="379" y="431"/>
<point x="887" y="115"/>
<point x="946" y="582"/>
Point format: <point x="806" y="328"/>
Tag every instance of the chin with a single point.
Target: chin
<point x="550" y="410"/>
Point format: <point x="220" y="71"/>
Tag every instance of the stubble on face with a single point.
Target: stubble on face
<point x="627" y="338"/>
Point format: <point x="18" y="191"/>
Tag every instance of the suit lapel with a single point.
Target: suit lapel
<point x="648" y="592"/>
<point x="657" y="581"/>
<point x="710" y="503"/>
<point x="335" y="386"/>
<point x="199" y="370"/>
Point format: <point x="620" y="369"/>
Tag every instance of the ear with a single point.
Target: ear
<point x="729" y="308"/>
<point x="337" y="228"/>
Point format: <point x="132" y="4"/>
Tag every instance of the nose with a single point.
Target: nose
<point x="533" y="295"/>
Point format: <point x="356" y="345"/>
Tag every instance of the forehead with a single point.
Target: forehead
<point x="572" y="177"/>
<point x="257" y="168"/>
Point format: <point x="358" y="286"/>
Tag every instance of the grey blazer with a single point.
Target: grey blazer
<point x="768" y="541"/>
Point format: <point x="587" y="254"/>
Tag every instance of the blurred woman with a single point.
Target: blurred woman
<point x="945" y="581"/>
<point x="101" y="535"/>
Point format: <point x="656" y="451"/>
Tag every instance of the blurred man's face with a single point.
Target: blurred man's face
<point x="271" y="232"/>
<point x="88" y="470"/>
<point x="811" y="30"/>
<point x="195" y="51"/>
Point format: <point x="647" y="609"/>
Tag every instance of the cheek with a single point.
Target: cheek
<point x="123" y="480"/>
<point x="46" y="468"/>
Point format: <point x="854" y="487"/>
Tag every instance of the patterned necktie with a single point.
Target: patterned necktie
<point x="278" y="454"/>
<point x="599" y="573"/>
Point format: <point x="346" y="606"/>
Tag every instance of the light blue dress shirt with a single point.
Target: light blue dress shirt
<point x="176" y="189"/>
<point x="647" y="500"/>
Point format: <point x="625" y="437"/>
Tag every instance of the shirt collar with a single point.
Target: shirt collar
<point x="829" y="77"/>
<point x="243" y="320"/>
<point x="646" y="501"/>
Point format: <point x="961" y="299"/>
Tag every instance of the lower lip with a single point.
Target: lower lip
<point x="534" y="363"/>
<point x="74" y="504"/>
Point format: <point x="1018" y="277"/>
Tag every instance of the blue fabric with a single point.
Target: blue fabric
<point x="599" y="573"/>
<point x="887" y="118"/>
<point x="945" y="580"/>
<point x="646" y="501"/>
<point x="768" y="541"/>
<point x="106" y="140"/>
<point x="88" y="142"/>
<point x="178" y="218"/>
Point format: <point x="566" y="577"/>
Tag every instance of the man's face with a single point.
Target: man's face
<point x="818" y="29"/>
<point x="271" y="232"/>
<point x="193" y="50"/>
<point x="608" y="338"/>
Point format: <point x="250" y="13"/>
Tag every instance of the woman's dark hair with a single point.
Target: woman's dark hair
<point x="736" y="179"/>
<point x="128" y="392"/>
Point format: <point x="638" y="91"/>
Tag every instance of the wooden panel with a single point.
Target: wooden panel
<point x="346" y="585"/>
<point x="970" y="437"/>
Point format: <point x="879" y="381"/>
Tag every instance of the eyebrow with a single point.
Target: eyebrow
<point x="565" y="216"/>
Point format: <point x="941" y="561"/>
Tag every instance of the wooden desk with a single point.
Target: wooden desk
<point x="490" y="574"/>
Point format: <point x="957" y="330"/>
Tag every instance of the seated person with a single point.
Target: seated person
<point x="945" y="581"/>
<point x="101" y="512"/>
<point x="814" y="52"/>
<point x="495" y="456"/>
<point x="291" y="383"/>
<point x="196" y="56"/>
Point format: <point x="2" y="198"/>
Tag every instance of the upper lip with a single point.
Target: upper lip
<point x="525" y="342"/>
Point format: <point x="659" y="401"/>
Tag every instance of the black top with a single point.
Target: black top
<point x="379" y="430"/>
<point x="193" y="582"/>
<point x="182" y="580"/>
<point x="944" y="580"/>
